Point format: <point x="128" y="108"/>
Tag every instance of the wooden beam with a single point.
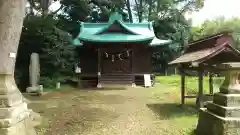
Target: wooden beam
<point x="210" y="83"/>
<point x="191" y="96"/>
<point x="182" y="88"/>
<point x="200" y="89"/>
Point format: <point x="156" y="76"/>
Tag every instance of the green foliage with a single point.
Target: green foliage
<point x="218" y="25"/>
<point x="57" y="57"/>
<point x="48" y="82"/>
<point x="169" y="23"/>
<point x="191" y="83"/>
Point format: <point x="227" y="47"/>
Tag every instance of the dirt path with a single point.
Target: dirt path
<point x="110" y="112"/>
<point x="134" y="118"/>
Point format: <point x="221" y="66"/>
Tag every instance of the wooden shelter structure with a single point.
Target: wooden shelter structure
<point x="115" y="52"/>
<point x="204" y="55"/>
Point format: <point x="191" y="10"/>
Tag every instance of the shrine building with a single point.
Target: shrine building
<point x="115" y="52"/>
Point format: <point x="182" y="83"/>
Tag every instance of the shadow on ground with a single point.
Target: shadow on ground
<point x="172" y="110"/>
<point x="193" y="132"/>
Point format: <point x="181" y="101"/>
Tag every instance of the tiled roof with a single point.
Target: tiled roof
<point x="206" y="54"/>
<point x="118" y="31"/>
<point x="195" y="56"/>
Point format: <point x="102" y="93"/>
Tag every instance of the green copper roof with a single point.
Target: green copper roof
<point x="116" y="31"/>
<point x="115" y="16"/>
<point x="159" y="42"/>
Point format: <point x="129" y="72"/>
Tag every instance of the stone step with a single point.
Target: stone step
<point x="116" y="82"/>
<point x="230" y="100"/>
<point x="223" y="111"/>
<point x="115" y="78"/>
<point x="115" y="86"/>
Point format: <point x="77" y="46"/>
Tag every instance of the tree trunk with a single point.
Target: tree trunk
<point x="11" y="21"/>
<point x="129" y="11"/>
<point x="150" y="4"/>
<point x="140" y="10"/>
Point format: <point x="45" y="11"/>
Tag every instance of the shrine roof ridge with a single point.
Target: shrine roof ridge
<point x="116" y="30"/>
<point x="209" y="37"/>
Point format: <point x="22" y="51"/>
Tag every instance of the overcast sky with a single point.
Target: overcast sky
<point x="211" y="10"/>
<point x="216" y="8"/>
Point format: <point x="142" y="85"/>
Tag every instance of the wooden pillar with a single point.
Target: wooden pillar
<point x="182" y="88"/>
<point x="132" y="68"/>
<point x="79" y="85"/>
<point x="210" y="83"/>
<point x="200" y="89"/>
<point x="99" y="85"/>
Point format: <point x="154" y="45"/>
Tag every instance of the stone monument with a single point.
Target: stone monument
<point x="34" y="74"/>
<point x="14" y="114"/>
<point x="222" y="116"/>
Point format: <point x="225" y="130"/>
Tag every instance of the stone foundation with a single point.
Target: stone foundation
<point x="99" y="85"/>
<point x="24" y="127"/>
<point x="35" y="89"/>
<point x="14" y="115"/>
<point x="220" y="117"/>
<point x="212" y="124"/>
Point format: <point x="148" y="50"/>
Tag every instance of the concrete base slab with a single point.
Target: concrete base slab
<point x="223" y="111"/>
<point x="212" y="124"/>
<point x="32" y="89"/>
<point x="24" y="127"/>
<point x="99" y="85"/>
<point x="35" y="90"/>
<point x="230" y="100"/>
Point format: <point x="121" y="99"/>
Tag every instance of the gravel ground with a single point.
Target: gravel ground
<point x="112" y="112"/>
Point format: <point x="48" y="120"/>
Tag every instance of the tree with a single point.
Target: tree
<point x="129" y="10"/>
<point x="41" y="34"/>
<point x="217" y="25"/>
<point x="11" y="17"/>
<point x="12" y="14"/>
<point x="170" y="23"/>
<point x="153" y="9"/>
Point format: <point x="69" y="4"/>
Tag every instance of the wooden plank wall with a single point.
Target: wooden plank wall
<point x="88" y="60"/>
<point x="141" y="60"/>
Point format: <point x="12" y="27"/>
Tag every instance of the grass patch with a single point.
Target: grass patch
<point x="172" y="118"/>
<point x="191" y="83"/>
<point x="63" y="87"/>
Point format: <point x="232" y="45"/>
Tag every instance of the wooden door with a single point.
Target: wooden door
<point x="113" y="64"/>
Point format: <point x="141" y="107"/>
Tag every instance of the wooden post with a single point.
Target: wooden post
<point x="99" y="85"/>
<point x="182" y="85"/>
<point x="210" y="83"/>
<point x="182" y="88"/>
<point x="132" y="68"/>
<point x="200" y="89"/>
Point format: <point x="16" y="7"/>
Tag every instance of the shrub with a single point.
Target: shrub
<point x="48" y="82"/>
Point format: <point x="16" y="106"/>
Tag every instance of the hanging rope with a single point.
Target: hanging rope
<point x="112" y="58"/>
<point x="106" y="54"/>
<point x="117" y="55"/>
<point x="128" y="53"/>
